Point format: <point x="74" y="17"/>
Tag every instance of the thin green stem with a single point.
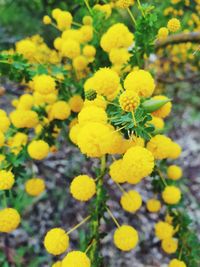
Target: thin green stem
<point x="113" y="217"/>
<point x="131" y="16"/>
<point x="78" y="225"/>
<point x="88" y="6"/>
<point x="140" y="8"/>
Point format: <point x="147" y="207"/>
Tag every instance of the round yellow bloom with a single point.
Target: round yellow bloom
<point x="177" y="263"/>
<point x="99" y="101"/>
<point x="163" y="33"/>
<point x="133" y="141"/>
<point x="124" y="3"/>
<point x="2" y="157"/>
<point x="4" y="123"/>
<point x="175" y="151"/>
<point x="9" y="220"/>
<point x="44" y="84"/>
<point x="56" y="241"/>
<point x="89" y="51"/>
<point x="35" y="186"/>
<point x="173" y="25"/>
<point x="131" y="201"/>
<point x="64" y="20"/>
<point x="94" y="139"/>
<point x="106" y="82"/>
<point x="169" y="245"/>
<point x="126" y="238"/>
<point x="74" y="132"/>
<point x="171" y="195"/>
<point x="38" y="149"/>
<point x="174" y="172"/>
<point x="2" y="139"/>
<point x="141" y="82"/>
<point x="76" y="103"/>
<point x="75" y="259"/>
<point x="153" y="205"/>
<point x="80" y="63"/>
<point x="87" y="33"/>
<point x="70" y="48"/>
<point x="165" y="110"/>
<point x="116" y="172"/>
<point x="141" y="166"/>
<point x="160" y="146"/>
<point x="27" y="48"/>
<point x="158" y="123"/>
<point x="46" y="20"/>
<point x="163" y="230"/>
<point x="92" y="114"/>
<point x="26" y="102"/>
<point x="60" y="110"/>
<point x="119" y="56"/>
<point x="83" y="188"/>
<point x="6" y="180"/>
<point x="21" y="119"/>
<point x="129" y="101"/>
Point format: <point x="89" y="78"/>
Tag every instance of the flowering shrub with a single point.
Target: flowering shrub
<point x="100" y="82"/>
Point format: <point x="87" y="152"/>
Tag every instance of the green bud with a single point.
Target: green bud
<point x="90" y="94"/>
<point x="152" y="105"/>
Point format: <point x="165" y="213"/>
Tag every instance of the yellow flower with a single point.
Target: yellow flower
<point x="141" y="166"/>
<point x="116" y="173"/>
<point x="64" y="20"/>
<point x="60" y="110"/>
<point x="44" y="84"/>
<point x="76" y="103"/>
<point x="129" y="101"/>
<point x="177" y="263"/>
<point x="56" y="241"/>
<point x="57" y="264"/>
<point x="80" y="63"/>
<point x="119" y="56"/>
<point x="2" y="139"/>
<point x="124" y="3"/>
<point x="74" y="132"/>
<point x="6" y="180"/>
<point x="38" y="149"/>
<point x="87" y="20"/>
<point x="126" y="238"/>
<point x="83" y="188"/>
<point x="169" y="245"/>
<point x="163" y="230"/>
<point x="87" y="33"/>
<point x="163" y="33"/>
<point x="131" y="201"/>
<point x="165" y="110"/>
<point x="21" y="119"/>
<point x="75" y="259"/>
<point x="141" y="82"/>
<point x="158" y="123"/>
<point x="173" y="25"/>
<point x="27" y="48"/>
<point x="171" y="195"/>
<point x="174" y="172"/>
<point x="35" y="186"/>
<point x="46" y="20"/>
<point x="175" y="151"/>
<point x="4" y="123"/>
<point x="153" y="205"/>
<point x="106" y="82"/>
<point x="9" y="220"/>
<point x="89" y="51"/>
<point x="26" y="102"/>
<point x="70" y="48"/>
<point x="92" y="114"/>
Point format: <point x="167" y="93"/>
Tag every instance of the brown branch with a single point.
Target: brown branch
<point x="193" y="37"/>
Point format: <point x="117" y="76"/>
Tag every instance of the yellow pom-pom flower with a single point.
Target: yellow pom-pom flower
<point x="173" y="25"/>
<point x="56" y="241"/>
<point x="165" y="110"/>
<point x="163" y="33"/>
<point x="2" y="139"/>
<point x="46" y="20"/>
<point x="9" y="220"/>
<point x="57" y="264"/>
<point x="158" y="123"/>
<point x="174" y="172"/>
<point x="129" y="101"/>
<point x="140" y="167"/>
<point x="21" y="119"/>
<point x="83" y="188"/>
<point x="87" y="20"/>
<point x="163" y="230"/>
<point x="141" y="82"/>
<point x="6" y="180"/>
<point x="4" y="123"/>
<point x="131" y="201"/>
<point x="126" y="238"/>
<point x="171" y="195"/>
<point x="26" y="102"/>
<point x="116" y="172"/>
<point x="76" y="103"/>
<point x="177" y="263"/>
<point x="60" y="111"/>
<point x="153" y="205"/>
<point x="80" y="63"/>
<point x="175" y="151"/>
<point x="106" y="82"/>
<point x="124" y="3"/>
<point x="38" y="149"/>
<point x="44" y="84"/>
<point x="75" y="259"/>
<point x="92" y="114"/>
<point x="35" y="186"/>
<point x="169" y="245"/>
<point x="70" y="48"/>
